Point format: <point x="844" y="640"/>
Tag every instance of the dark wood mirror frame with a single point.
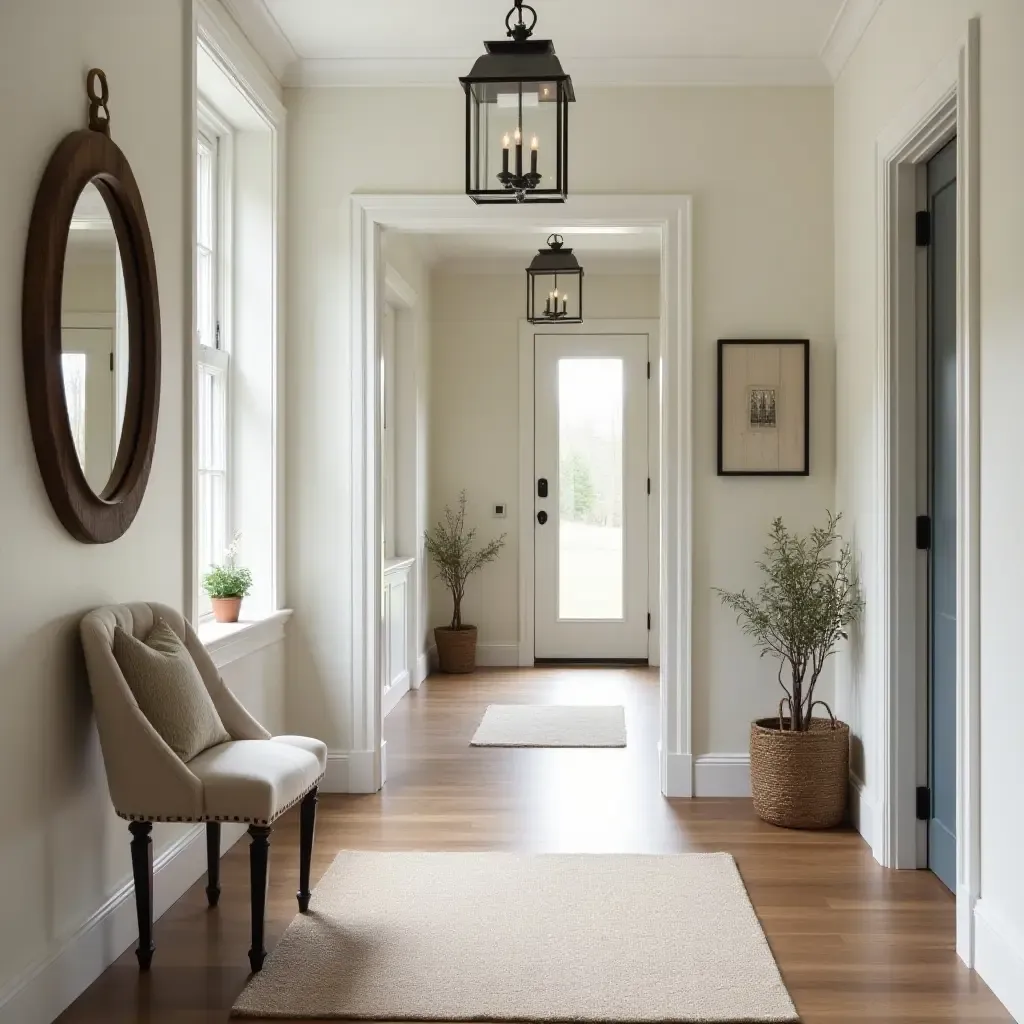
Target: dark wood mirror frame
<point x="83" y="157"/>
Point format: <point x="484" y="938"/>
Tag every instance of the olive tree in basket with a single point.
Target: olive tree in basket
<point x="799" y="764"/>
<point x="451" y="547"/>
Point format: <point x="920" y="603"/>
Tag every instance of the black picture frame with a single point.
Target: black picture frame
<point x="805" y="345"/>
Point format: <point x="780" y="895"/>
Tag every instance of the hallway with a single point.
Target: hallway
<point x="854" y="942"/>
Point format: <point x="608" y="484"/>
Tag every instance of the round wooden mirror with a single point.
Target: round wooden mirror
<point x="91" y="332"/>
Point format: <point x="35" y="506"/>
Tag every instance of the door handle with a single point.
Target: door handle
<point x="542" y="517"/>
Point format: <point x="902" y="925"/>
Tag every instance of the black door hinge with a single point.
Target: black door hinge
<point x="923" y="228"/>
<point x="648" y="620"/>
<point x="648" y="485"/>
<point x="111" y="362"/>
<point x="924" y="803"/>
<point x="216" y="335"/>
<point x="924" y="533"/>
<point x="648" y="371"/>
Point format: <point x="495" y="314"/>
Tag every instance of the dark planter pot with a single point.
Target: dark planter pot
<point x="456" y="649"/>
<point x="800" y="779"/>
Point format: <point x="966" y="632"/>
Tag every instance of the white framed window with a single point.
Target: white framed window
<point x="213" y="362"/>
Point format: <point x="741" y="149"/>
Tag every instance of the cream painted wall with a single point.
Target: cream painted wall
<point x="905" y="42"/>
<point x="64" y="856"/>
<point x="475" y="420"/>
<point x="758" y="163"/>
<point x="89" y="284"/>
<point x="62" y="851"/>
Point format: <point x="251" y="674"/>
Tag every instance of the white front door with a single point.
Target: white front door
<point x="590" y="497"/>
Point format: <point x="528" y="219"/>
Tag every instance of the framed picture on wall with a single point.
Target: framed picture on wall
<point x="764" y="408"/>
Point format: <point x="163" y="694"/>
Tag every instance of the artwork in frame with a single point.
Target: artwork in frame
<point x="764" y="408"/>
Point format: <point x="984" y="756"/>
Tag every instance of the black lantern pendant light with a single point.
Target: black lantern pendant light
<point x="517" y="97"/>
<point x="554" y="285"/>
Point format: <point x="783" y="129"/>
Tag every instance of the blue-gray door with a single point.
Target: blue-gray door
<point x="942" y="263"/>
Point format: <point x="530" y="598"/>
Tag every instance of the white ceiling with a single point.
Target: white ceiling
<point x="610" y="42"/>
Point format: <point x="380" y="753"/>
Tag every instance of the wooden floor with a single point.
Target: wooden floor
<point x="854" y="942"/>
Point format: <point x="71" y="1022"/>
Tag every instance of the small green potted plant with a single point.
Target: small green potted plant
<point x="227" y="584"/>
<point x="799" y="764"/>
<point x="450" y="546"/>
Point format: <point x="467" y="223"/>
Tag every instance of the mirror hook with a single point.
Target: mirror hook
<point x="98" y="99"/>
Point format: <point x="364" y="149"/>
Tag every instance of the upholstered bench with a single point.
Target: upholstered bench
<point x="245" y="775"/>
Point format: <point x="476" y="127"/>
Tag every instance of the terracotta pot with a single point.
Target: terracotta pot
<point x="456" y="648"/>
<point x="226" y="609"/>
<point x="800" y="779"/>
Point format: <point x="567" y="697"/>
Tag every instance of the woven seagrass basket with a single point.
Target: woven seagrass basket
<point x="456" y="649"/>
<point x="800" y="779"/>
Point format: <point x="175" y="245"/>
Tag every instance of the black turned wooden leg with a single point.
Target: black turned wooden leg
<point x="259" y="854"/>
<point x="213" y="862"/>
<point x="142" y="870"/>
<point x="307" y="825"/>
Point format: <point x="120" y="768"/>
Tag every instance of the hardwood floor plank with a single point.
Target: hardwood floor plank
<point x="855" y="943"/>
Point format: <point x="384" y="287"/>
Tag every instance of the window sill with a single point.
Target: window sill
<point x="228" y="641"/>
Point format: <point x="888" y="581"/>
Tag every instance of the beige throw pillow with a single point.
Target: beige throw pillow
<point x="169" y="690"/>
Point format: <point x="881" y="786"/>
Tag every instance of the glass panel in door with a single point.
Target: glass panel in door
<point x="590" y="505"/>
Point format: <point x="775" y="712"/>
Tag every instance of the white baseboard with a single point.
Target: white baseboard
<point x="677" y="775"/>
<point x="47" y="988"/>
<point x="422" y="670"/>
<point x="497" y="655"/>
<point x="487" y="656"/>
<point x="999" y="957"/>
<point x="720" y="775"/>
<point x="336" y="776"/>
<point x="354" y="771"/>
<point x="966" y="903"/>
<point x="863" y="811"/>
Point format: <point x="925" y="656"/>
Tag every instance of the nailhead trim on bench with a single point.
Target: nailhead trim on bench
<point x="210" y="817"/>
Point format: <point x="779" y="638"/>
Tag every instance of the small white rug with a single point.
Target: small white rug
<point x="551" y="725"/>
<point x="517" y="937"/>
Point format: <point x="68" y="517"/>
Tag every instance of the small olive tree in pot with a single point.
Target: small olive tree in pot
<point x="451" y="547"/>
<point x="799" y="764"/>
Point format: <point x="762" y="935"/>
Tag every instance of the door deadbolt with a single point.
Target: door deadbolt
<point x="542" y="517"/>
<point x="542" y="488"/>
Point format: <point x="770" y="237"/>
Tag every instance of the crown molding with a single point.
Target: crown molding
<point x="846" y="33"/>
<point x="264" y="34"/>
<point x="593" y="71"/>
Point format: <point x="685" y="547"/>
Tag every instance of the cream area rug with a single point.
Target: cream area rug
<point x="517" y="937"/>
<point x="551" y="725"/>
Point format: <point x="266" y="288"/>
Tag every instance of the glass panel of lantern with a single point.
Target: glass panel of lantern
<point x="517" y="121"/>
<point x="554" y="286"/>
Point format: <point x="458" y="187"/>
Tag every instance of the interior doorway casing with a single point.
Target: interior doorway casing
<point x="945" y="105"/>
<point x="671" y="217"/>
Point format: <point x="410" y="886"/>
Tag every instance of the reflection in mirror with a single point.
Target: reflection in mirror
<point x="94" y="338"/>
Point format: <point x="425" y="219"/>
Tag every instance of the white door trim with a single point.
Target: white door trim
<point x="410" y="504"/>
<point x="671" y="216"/>
<point x="946" y="103"/>
<point x="527" y="331"/>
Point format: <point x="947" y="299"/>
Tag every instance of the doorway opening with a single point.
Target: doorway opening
<point x="666" y="220"/>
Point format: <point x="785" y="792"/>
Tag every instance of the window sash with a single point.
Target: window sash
<point x="212" y="393"/>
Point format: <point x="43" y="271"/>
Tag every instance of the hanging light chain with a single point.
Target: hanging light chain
<point x="520" y="32"/>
